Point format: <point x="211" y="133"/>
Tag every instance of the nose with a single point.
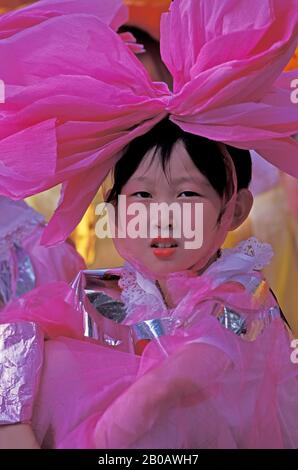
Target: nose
<point x="162" y="223"/>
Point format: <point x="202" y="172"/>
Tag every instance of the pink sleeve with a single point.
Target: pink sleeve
<point x="58" y="263"/>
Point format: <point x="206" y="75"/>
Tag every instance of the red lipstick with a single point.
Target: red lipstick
<point x="164" y="247"/>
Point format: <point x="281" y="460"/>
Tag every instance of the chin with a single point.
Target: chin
<point x="166" y="266"/>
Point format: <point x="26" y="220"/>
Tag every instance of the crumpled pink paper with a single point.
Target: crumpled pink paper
<point x="76" y="94"/>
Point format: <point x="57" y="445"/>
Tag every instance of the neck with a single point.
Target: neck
<point x="162" y="283"/>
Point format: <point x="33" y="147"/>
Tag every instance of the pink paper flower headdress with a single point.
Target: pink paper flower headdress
<point x="76" y="94"/>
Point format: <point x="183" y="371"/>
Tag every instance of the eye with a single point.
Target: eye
<point x="142" y="194"/>
<point x="189" y="194"/>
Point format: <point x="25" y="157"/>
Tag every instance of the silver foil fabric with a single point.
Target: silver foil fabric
<point x="232" y="320"/>
<point x="21" y="358"/>
<point x="5" y="281"/>
<point x="102" y="315"/>
<point x="17" y="274"/>
<point x="26" y="278"/>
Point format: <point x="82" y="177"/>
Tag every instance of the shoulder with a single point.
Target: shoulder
<point x="255" y="253"/>
<point x="247" y="303"/>
<point x="248" y="257"/>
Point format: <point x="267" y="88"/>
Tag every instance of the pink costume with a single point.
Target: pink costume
<point x="24" y="263"/>
<point x="240" y="386"/>
<point x="218" y="370"/>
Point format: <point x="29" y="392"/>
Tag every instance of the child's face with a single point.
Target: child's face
<point x="183" y="183"/>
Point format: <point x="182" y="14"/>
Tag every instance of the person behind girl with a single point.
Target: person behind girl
<point x="24" y="263"/>
<point x="224" y="371"/>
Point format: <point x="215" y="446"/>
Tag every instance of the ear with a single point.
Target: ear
<point x="243" y="206"/>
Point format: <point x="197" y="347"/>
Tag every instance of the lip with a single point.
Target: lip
<point x="170" y="240"/>
<point x="164" y="252"/>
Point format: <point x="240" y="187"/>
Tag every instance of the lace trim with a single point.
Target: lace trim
<point x="256" y="254"/>
<point x="133" y="294"/>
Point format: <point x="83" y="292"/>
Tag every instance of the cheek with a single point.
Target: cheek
<point x="130" y="249"/>
<point x="132" y="210"/>
<point x="210" y="215"/>
<point x="207" y="213"/>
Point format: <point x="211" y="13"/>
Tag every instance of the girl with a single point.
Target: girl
<point x="194" y="352"/>
<point x="227" y="347"/>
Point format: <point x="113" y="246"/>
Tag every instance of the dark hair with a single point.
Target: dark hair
<point x="206" y="154"/>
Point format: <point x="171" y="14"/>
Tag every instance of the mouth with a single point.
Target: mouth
<point x="164" y="247"/>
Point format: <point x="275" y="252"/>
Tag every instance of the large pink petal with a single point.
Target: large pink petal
<point x="254" y="125"/>
<point x="88" y="113"/>
<point x="60" y="70"/>
<point x="112" y="12"/>
<point x="227" y="72"/>
<point x="25" y="164"/>
<point x="192" y="25"/>
<point x="73" y="44"/>
<point x="282" y="153"/>
<point x="198" y="37"/>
